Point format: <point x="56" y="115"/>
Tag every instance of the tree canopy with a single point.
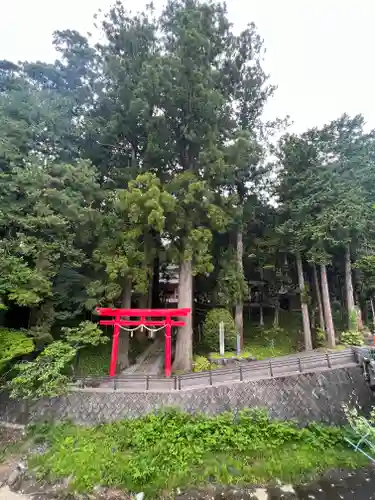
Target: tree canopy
<point x="150" y="149"/>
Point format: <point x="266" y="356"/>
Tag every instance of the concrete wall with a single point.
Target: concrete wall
<point x="305" y="397"/>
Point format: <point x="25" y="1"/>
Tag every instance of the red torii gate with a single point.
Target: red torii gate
<point x="166" y="320"/>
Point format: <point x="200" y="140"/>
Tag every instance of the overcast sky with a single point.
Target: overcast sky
<point x="319" y="52"/>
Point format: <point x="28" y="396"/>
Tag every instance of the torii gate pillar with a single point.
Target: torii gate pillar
<point x="166" y="319"/>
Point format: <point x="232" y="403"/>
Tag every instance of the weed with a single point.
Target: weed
<point x="352" y="338"/>
<point x="160" y="452"/>
<point x="202" y="364"/>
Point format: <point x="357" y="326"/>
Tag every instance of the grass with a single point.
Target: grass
<point x="260" y="351"/>
<point x="159" y="453"/>
<point x="262" y="343"/>
<point x="268" y="342"/>
<point x="287" y="464"/>
<point x="94" y="361"/>
<point x="229" y="355"/>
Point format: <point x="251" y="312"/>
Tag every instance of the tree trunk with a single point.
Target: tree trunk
<point x="156" y="277"/>
<point x="327" y="307"/>
<point x="276" y="315"/>
<point x="312" y="319"/>
<point x="184" y="344"/>
<point x="239" y="305"/>
<point x="261" y="316"/>
<point x="123" y="344"/>
<point x="150" y="295"/>
<point x="141" y="334"/>
<point x="350" y="304"/>
<point x="373" y="312"/>
<point x="319" y="299"/>
<point x="304" y="307"/>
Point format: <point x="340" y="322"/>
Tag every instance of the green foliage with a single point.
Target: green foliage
<point x="211" y="329"/>
<point x="151" y="148"/>
<point x="171" y="449"/>
<point x="353" y="320"/>
<point x="13" y="344"/>
<point x="339" y="315"/>
<point x="366" y="267"/>
<point x="202" y="364"/>
<point x="361" y="425"/>
<point x="86" y="334"/>
<point x="46" y="376"/>
<point x="320" y="337"/>
<point x="352" y="338"/>
<point x="47" y="214"/>
<point x="268" y="342"/>
<point x="305" y="295"/>
<point x="94" y="361"/>
<point x="190" y="225"/>
<point x="232" y="286"/>
<point x="133" y="221"/>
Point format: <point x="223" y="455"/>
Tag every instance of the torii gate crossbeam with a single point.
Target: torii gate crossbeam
<point x="165" y="318"/>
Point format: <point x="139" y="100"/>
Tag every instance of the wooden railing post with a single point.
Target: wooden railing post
<point x="328" y="360"/>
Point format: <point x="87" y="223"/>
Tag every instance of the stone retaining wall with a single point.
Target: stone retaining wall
<point x="304" y="397"/>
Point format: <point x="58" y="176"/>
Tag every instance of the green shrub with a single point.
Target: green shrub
<point x="273" y="334"/>
<point x="86" y="334"/>
<point x="202" y="364"/>
<point x="320" y="337"/>
<point x="46" y="375"/>
<point x="352" y="338"/>
<point x="211" y="329"/>
<point x="94" y="361"/>
<point x="13" y="344"/>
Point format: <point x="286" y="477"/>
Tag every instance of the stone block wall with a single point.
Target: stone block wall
<point x="304" y="397"/>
